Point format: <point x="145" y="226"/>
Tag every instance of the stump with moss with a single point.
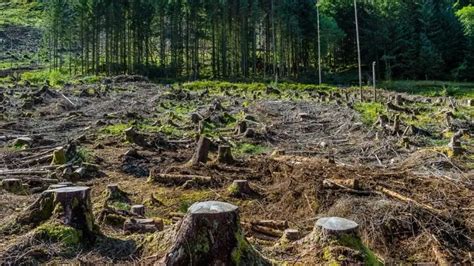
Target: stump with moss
<point x="241" y="189"/>
<point x="68" y="206"/>
<point x="59" y="157"/>
<point x="210" y="234"/>
<point x="114" y="193"/>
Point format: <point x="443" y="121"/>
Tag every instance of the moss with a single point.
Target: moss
<point x="233" y="189"/>
<point x="356" y="243"/>
<point x="120" y="205"/>
<point x="59" y="157"/>
<point x="66" y="235"/>
<point x="249" y="148"/>
<point x="369" y="111"/>
<point x="245" y="254"/>
<point x="116" y="129"/>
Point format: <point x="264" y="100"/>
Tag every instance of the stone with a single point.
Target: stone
<point x="23" y="141"/>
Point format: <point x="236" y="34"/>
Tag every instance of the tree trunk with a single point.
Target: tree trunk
<point x="210" y="234"/>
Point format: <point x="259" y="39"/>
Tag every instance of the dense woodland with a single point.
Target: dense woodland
<point x="408" y="39"/>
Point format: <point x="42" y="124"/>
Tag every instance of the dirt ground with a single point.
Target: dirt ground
<point x="414" y="202"/>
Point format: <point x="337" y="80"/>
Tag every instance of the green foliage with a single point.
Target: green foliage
<point x="55" y="77"/>
<point x="66" y="235"/>
<point x="120" y="205"/>
<point x="356" y="243"/>
<point x="369" y="111"/>
<point x="115" y="130"/>
<point x="249" y="149"/>
<point x="23" y="13"/>
<point x="432" y="88"/>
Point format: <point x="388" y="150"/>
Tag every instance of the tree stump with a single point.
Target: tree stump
<point x="71" y="206"/>
<point x="138" y="210"/>
<point x="202" y="151"/>
<point x="335" y="226"/>
<point x="114" y="193"/>
<point x="132" y="136"/>
<point x="13" y="185"/>
<point x="290" y="235"/>
<point x="455" y="143"/>
<point x="240" y="188"/>
<point x="59" y="157"/>
<point x="210" y="234"/>
<point x="241" y="128"/>
<point x="225" y="155"/>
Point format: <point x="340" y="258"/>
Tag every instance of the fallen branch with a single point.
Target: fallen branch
<point x="267" y="231"/>
<point x="280" y="225"/>
<point x="173" y="179"/>
<point x="400" y="197"/>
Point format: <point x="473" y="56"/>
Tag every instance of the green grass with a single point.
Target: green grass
<point x="55" y="78"/>
<point x="21" y="13"/>
<point x="249" y="149"/>
<point x="116" y="129"/>
<point x="432" y="88"/>
<point x="370" y="111"/>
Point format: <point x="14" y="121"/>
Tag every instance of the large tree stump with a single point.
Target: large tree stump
<point x="71" y="206"/>
<point x="202" y="151"/>
<point x="210" y="234"/>
<point x="335" y="226"/>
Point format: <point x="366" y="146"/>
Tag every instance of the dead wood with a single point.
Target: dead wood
<point x="176" y="179"/>
<point x="280" y="225"/>
<point x="202" y="151"/>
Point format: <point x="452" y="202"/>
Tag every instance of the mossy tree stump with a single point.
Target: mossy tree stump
<point x="70" y="206"/>
<point x="210" y="234"/>
<point x="59" y="157"/>
<point x="241" y="188"/>
<point x="114" y="193"/>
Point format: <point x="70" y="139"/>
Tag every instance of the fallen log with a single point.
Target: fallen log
<point x="173" y="179"/>
<point x="281" y="225"/>
<point x="10" y="172"/>
<point x="267" y="231"/>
